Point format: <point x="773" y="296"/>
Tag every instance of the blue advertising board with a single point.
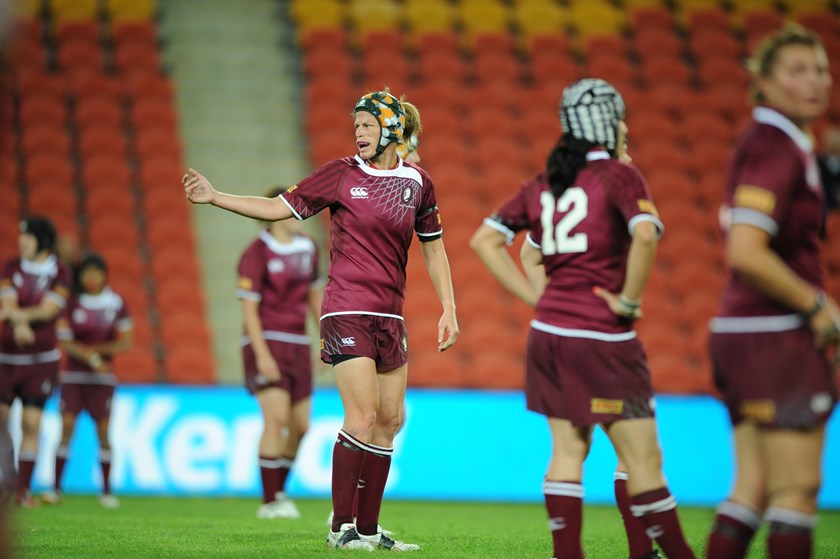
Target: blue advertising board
<point x="456" y="445"/>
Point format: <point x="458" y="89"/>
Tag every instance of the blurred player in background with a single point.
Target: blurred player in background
<point x="95" y="327"/>
<point x="596" y="228"/>
<point x="279" y="285"/>
<point x="768" y="339"/>
<point x="33" y="292"/>
<point x="376" y="200"/>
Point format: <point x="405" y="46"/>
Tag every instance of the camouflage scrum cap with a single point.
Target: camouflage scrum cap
<point x="390" y="114"/>
<point x="591" y="110"/>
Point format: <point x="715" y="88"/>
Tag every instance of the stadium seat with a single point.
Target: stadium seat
<point x="66" y="10"/>
<point x="42" y="110"/>
<point x="426" y="15"/>
<point x="374" y="14"/>
<point x="440" y="63"/>
<point x="45" y="139"/>
<point x="664" y="69"/>
<point x="48" y="168"/>
<point x="130" y="10"/>
<point x="32" y="82"/>
<point x="152" y="113"/>
<point x="109" y="201"/>
<point x="91" y="85"/>
<point x="708" y="20"/>
<point x="649" y="19"/>
<point x="86" y="31"/>
<point x="188" y="364"/>
<point x="657" y="41"/>
<point x="101" y="140"/>
<point x="149" y="87"/>
<point x="96" y="112"/>
<point x="136" y="366"/>
<point x="538" y="17"/>
<point x="482" y="16"/>
<point x="136" y="58"/>
<point x="597" y="17"/>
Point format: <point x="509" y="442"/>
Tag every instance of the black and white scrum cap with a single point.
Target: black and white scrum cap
<point x="591" y="110"/>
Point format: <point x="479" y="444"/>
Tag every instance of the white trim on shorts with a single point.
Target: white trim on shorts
<point x="86" y="377"/>
<point x="32" y="359"/>
<point x="341" y="313"/>
<point x="589" y="334"/>
<point x="751" y="324"/>
<point x="277" y="336"/>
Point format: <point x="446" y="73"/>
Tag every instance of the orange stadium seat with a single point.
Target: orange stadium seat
<point x="657" y="42"/>
<point x="86" y="31"/>
<point x="179" y="296"/>
<point x="136" y="366"/>
<point x="331" y="38"/>
<point x="647" y="122"/>
<point x="44" y="139"/>
<point x="90" y="85"/>
<point x="664" y="69"/>
<point x="79" y="56"/>
<point x="152" y="113"/>
<point x="707" y="126"/>
<point x="328" y="62"/>
<point x="440" y="63"/>
<point x="136" y="58"/>
<point x="652" y="18"/>
<point x="491" y="42"/>
<point x="101" y="168"/>
<point x="380" y="39"/>
<point x="151" y="142"/>
<point x="614" y="68"/>
<point x="134" y="32"/>
<point x="165" y="231"/>
<point x="32" y="82"/>
<point x="112" y="230"/>
<point x="763" y="21"/>
<point x="722" y="70"/>
<point x="708" y="20"/>
<point x="98" y="112"/>
<point x="546" y="42"/>
<point x="715" y="43"/>
<point x="149" y="87"/>
<point x="188" y="364"/>
<point x="426" y="42"/>
<point x="51" y="198"/>
<point x="109" y="201"/>
<point x="102" y="140"/>
<point x="38" y="110"/>
<point x="48" y="168"/>
<point x="124" y="264"/>
<point x="495" y="65"/>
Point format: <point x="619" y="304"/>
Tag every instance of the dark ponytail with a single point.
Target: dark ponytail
<point x="565" y="162"/>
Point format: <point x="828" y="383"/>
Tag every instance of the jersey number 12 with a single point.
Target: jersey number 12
<point x="556" y="238"/>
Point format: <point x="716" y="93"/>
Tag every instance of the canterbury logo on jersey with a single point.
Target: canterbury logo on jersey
<point x="351" y="341"/>
<point x="358" y="192"/>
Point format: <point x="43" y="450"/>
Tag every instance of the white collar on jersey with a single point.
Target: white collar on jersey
<point x="399" y="171"/>
<point x="299" y="244"/>
<point x="99" y="301"/>
<point x="772" y="117"/>
<point x="48" y="267"/>
<point x="597" y="154"/>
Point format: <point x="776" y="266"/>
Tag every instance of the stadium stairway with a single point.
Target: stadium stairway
<point x="237" y="94"/>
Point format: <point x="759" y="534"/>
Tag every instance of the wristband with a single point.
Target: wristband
<point x="94" y="360"/>
<point x="629" y="304"/>
<point x="819" y="303"/>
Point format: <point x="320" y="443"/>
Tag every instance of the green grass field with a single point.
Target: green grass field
<point x="163" y="528"/>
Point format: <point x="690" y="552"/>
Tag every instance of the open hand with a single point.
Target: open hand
<point x="197" y="188"/>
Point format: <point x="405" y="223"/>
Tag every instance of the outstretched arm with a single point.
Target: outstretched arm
<point x="198" y="190"/>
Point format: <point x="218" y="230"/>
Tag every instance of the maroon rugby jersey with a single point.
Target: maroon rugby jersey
<point x="93" y="319"/>
<point x="584" y="237"/>
<point x="279" y="276"/>
<point x="29" y="282"/>
<point x="373" y="215"/>
<point x="773" y="184"/>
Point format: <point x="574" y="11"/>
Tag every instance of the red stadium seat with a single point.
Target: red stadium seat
<point x="92" y="85"/>
<point x="147" y="86"/>
<point x="136" y="57"/>
<point x="102" y="140"/>
<point x="44" y="139"/>
<point x="33" y="82"/>
<point x="657" y="41"/>
<point x="136" y="366"/>
<point x="708" y="20"/>
<point x="110" y="201"/>
<point x="665" y="69"/>
<point x="188" y="364"/>
<point x="42" y="110"/>
<point x="152" y="142"/>
<point x="79" y="56"/>
<point x="143" y="32"/>
<point x="48" y="168"/>
<point x="153" y="113"/>
<point x="77" y="31"/>
<point x="449" y="64"/>
<point x="652" y="19"/>
<point x="102" y="170"/>
<point x="98" y="112"/>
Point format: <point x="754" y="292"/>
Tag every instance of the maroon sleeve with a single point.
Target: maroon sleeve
<point x="317" y="191"/>
<point x="427" y="224"/>
<point x="60" y="286"/>
<point x="761" y="183"/>
<point x="7" y="287"/>
<point x="512" y="216"/>
<point x="250" y="273"/>
<point x="631" y="196"/>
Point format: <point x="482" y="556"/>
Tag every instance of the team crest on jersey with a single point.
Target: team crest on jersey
<point x="79" y="316"/>
<point x="17" y="279"/>
<point x="275" y="265"/>
<point x="755" y="198"/>
<point x="407" y="194"/>
<point x="647" y="207"/>
<point x="405" y="343"/>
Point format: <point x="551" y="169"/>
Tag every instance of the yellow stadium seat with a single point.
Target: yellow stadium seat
<point x="596" y="18"/>
<point x="26" y="8"/>
<point x="66" y="10"/>
<point x="539" y="17"/>
<point x="483" y="16"/>
<point x="683" y="5"/>
<point x="131" y="10"/>
<point x="374" y="14"/>
<point x="429" y="16"/>
<point x="634" y="4"/>
<point x="313" y="14"/>
<point x="797" y="7"/>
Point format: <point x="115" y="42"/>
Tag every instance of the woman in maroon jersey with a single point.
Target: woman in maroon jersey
<point x="775" y="319"/>
<point x="376" y="201"/>
<point x="95" y="327"/>
<point x="33" y="292"/>
<point x="596" y="228"/>
<point x="279" y="286"/>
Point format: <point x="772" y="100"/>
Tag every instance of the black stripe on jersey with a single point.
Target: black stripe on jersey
<point x="427" y="238"/>
<point x="427" y="211"/>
